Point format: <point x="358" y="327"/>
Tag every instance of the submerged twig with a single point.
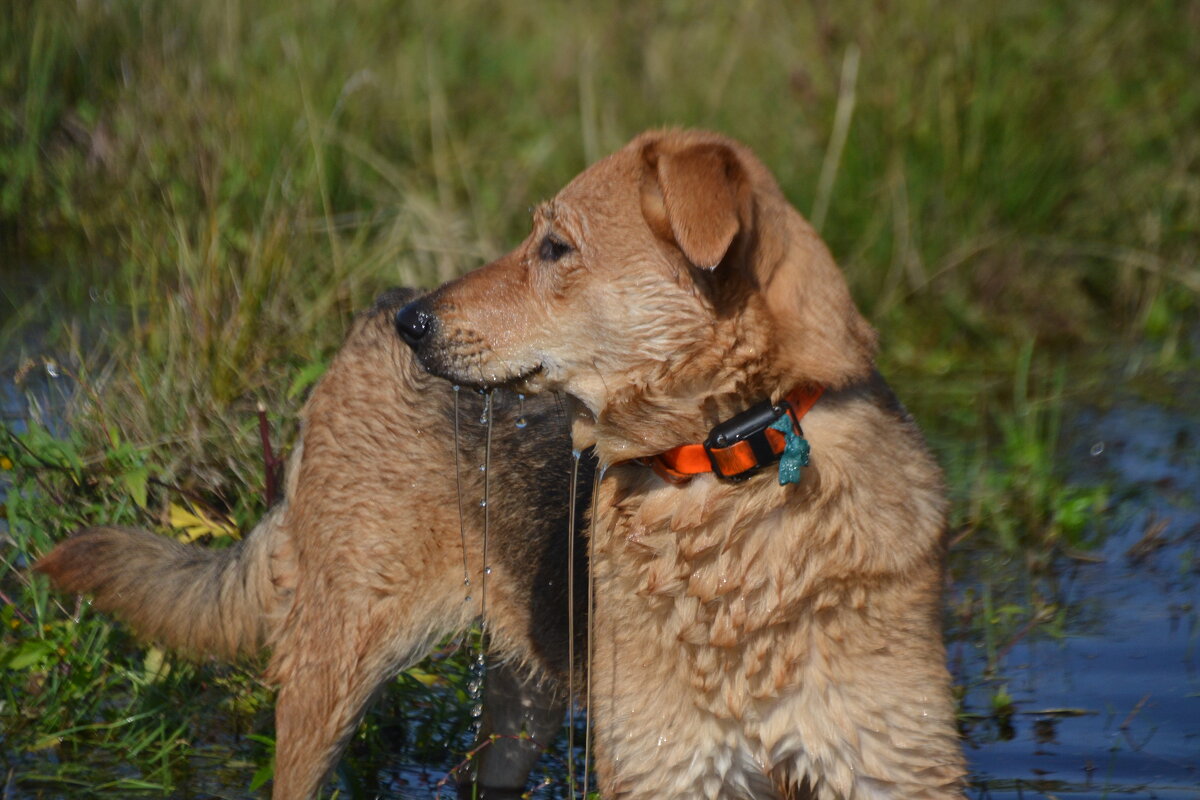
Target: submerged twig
<point x="1037" y="619"/>
<point x="1152" y="540"/>
<point x="1137" y="709"/>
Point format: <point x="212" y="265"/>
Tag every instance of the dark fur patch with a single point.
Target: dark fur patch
<point x="529" y="506"/>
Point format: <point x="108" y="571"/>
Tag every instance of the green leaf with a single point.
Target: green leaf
<point x="1002" y="701"/>
<point x="30" y="654"/>
<point x="135" y="483"/>
<point x="267" y="770"/>
<point x="306" y="377"/>
<point x="262" y="775"/>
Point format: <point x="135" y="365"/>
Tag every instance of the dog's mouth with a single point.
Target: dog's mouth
<point x="477" y="372"/>
<point x="464" y="358"/>
<point x="526" y="382"/>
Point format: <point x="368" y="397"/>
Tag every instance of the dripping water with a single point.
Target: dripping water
<point x="475" y="677"/>
<point x="591" y="626"/>
<point x="486" y="419"/>
<point x="462" y="525"/>
<point x="520" y="421"/>
<point x="572" y="492"/>
<point x="478" y="665"/>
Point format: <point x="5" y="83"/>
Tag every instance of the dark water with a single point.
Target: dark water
<point x="1109" y="710"/>
<point x="1126" y="676"/>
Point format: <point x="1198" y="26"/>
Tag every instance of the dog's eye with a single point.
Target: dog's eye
<point x="552" y="248"/>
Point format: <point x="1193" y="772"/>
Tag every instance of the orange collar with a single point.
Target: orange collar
<point x="740" y="446"/>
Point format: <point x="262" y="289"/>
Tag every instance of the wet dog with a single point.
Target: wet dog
<point x="360" y="570"/>
<point x="768" y="549"/>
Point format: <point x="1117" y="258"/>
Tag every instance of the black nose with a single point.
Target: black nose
<point x="413" y="322"/>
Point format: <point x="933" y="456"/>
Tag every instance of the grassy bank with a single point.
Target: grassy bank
<point x="196" y="197"/>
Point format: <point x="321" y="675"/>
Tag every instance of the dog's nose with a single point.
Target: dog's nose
<point x="413" y="322"/>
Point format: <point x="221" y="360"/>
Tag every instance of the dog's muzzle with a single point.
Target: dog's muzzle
<point x="413" y="322"/>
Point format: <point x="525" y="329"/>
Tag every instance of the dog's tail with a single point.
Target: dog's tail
<point x="192" y="599"/>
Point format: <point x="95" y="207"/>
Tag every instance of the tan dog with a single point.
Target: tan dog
<point x="360" y="571"/>
<point x="751" y="639"/>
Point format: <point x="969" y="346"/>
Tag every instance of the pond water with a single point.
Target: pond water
<point x="1111" y="709"/>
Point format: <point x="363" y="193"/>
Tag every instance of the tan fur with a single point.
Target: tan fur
<point x="751" y="640"/>
<point x="360" y="570"/>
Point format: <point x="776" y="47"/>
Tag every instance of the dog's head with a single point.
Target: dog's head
<point x="667" y="286"/>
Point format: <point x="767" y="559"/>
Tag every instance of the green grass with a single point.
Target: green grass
<point x="196" y="196"/>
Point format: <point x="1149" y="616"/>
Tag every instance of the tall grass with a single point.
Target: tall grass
<point x="196" y="196"/>
<point x="242" y="176"/>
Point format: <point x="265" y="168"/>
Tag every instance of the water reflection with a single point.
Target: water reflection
<point x="1112" y="709"/>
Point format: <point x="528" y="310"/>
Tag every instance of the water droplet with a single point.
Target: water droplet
<point x="52" y="370"/>
<point x="1097" y="448"/>
<point x="457" y="388"/>
<point x="468" y="599"/>
<point x="477" y="711"/>
<point x="466" y="581"/>
<point x="487" y="406"/>
<point x="483" y="467"/>
<point x="483" y="503"/>
<point x="487" y="570"/>
<point x="521" y="421"/>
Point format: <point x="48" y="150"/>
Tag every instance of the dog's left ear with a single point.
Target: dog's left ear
<point x="691" y="197"/>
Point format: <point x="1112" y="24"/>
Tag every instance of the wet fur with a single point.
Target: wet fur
<point x="359" y="571"/>
<point x="750" y="640"/>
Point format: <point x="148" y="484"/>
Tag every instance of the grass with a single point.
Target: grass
<point x="196" y="197"/>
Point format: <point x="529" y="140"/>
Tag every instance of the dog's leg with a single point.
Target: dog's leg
<point x="334" y="654"/>
<point x="317" y="710"/>
<point x="524" y="714"/>
<point x="309" y="731"/>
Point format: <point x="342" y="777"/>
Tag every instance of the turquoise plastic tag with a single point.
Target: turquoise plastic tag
<point x="795" y="452"/>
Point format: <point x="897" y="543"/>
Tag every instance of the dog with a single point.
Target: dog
<point x="762" y="628"/>
<point x="360" y="570"/>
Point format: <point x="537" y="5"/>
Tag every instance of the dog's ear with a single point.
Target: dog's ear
<point x="690" y="197"/>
